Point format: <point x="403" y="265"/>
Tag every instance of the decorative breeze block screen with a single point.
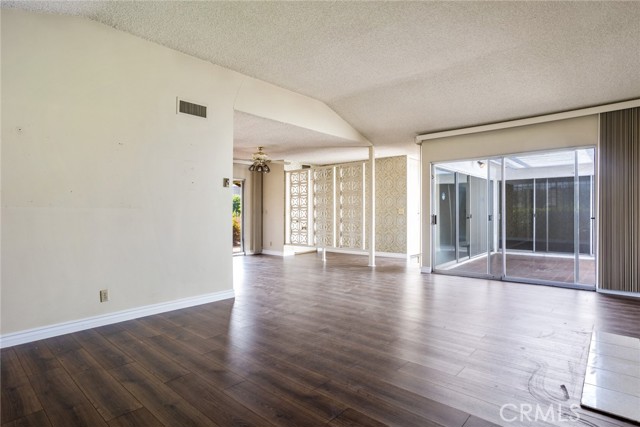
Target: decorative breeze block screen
<point x="299" y="207"/>
<point x="323" y="207"/>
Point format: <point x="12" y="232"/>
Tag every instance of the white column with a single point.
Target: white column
<point x="371" y="207"/>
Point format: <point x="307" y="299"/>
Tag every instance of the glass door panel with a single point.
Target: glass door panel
<point x="586" y="213"/>
<point x="495" y="222"/>
<point x="464" y="216"/>
<point x="519" y="214"/>
<point x="561" y="215"/>
<point x="539" y="211"/>
<point x="472" y="192"/>
<point x="526" y="217"/>
<point x="541" y="216"/>
<point x="461" y="230"/>
<point x="477" y="213"/>
<point x="445" y="216"/>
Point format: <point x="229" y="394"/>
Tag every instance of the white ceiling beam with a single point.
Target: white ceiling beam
<point x="531" y="120"/>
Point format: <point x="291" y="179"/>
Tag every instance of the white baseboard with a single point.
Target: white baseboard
<point x="363" y="252"/>
<point x="35" y="334"/>
<point x="620" y="293"/>
<point x="391" y="255"/>
<point x="277" y="253"/>
<point x="345" y="251"/>
<point x="425" y="270"/>
<point x="302" y="252"/>
<point x="300" y="249"/>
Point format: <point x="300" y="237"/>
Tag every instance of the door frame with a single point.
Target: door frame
<point x="498" y="216"/>
<point x="242" y="183"/>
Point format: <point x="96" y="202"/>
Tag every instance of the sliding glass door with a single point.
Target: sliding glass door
<point x="461" y="199"/>
<point x="446" y="235"/>
<point x="539" y="210"/>
<point x="494" y="250"/>
<point x="527" y="217"/>
<point x="463" y="216"/>
<point x="586" y="240"/>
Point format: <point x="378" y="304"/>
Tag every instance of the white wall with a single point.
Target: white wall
<point x="575" y="132"/>
<point x="103" y="184"/>
<point x="413" y="206"/>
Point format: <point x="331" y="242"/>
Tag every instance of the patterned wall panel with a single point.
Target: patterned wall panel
<point x="391" y="204"/>
<point x="367" y="195"/>
<point x="323" y="207"/>
<point x="299" y="207"/>
<point x="351" y="206"/>
<point x="327" y="206"/>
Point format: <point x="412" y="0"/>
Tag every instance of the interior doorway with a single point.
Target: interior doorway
<point x="527" y="217"/>
<point x="238" y="217"/>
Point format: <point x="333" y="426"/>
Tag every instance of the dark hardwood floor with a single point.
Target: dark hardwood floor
<point x="533" y="267"/>
<point x="336" y="344"/>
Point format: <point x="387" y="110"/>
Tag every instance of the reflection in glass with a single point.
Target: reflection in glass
<point x="541" y="216"/>
<point x="544" y="204"/>
<point x="519" y="214"/>
<point x="463" y="217"/>
<point x="445" y="247"/>
<point x="586" y="227"/>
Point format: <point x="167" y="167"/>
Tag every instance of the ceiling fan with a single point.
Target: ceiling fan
<point x="260" y="161"/>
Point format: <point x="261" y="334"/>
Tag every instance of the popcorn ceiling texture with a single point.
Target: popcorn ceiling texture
<point x="396" y="69"/>
<point x="294" y="143"/>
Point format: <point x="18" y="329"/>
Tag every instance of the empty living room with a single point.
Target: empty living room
<point x="320" y="213"/>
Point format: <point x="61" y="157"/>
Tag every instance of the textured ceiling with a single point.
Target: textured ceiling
<point x="396" y="69"/>
<point x="292" y="143"/>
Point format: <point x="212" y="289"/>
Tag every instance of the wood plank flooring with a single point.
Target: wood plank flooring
<point x="533" y="267"/>
<point x="338" y="344"/>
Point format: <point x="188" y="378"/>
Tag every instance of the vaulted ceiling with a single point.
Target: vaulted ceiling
<point x="397" y="69"/>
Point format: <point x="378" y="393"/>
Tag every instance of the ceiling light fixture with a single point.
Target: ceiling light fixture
<point x="260" y="160"/>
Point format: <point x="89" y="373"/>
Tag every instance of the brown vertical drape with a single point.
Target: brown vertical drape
<point x="256" y="213"/>
<point x="620" y="200"/>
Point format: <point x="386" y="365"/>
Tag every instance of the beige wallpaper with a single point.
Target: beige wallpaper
<point x="351" y="206"/>
<point x="391" y="204"/>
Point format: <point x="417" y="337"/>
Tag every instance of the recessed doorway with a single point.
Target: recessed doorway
<point x="238" y="216"/>
<point x="526" y="217"/>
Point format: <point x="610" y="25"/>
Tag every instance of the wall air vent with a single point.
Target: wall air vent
<point x="186" y="107"/>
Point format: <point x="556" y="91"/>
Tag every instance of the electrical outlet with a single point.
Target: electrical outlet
<point x="104" y="295"/>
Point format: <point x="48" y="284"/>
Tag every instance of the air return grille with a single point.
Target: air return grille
<point x="186" y="107"/>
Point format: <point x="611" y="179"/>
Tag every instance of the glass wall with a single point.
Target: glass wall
<point x="525" y="217"/>
<point x="445" y="216"/>
<point x="461" y="200"/>
<point x="495" y="218"/>
<point x="586" y="269"/>
<point x="539" y="187"/>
